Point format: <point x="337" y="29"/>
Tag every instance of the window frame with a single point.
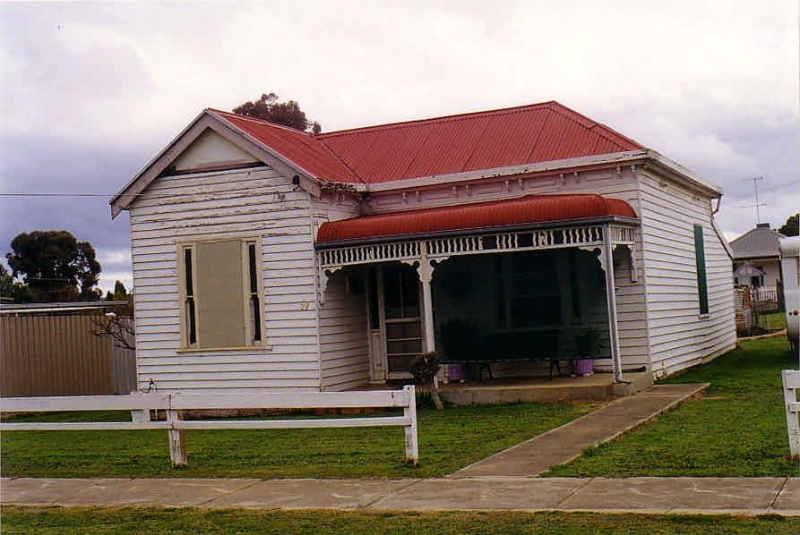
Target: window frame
<point x="701" y="270"/>
<point x="188" y="301"/>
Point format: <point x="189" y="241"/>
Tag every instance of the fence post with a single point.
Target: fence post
<point x="177" y="442"/>
<point x="791" y="381"/>
<point x="410" y="412"/>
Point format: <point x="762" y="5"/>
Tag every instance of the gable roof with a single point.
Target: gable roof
<point x="444" y="145"/>
<point x="544" y="136"/>
<point x="761" y="241"/>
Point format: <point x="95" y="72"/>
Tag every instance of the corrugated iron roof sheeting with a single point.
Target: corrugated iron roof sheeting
<point x="440" y="146"/>
<point x="521" y="211"/>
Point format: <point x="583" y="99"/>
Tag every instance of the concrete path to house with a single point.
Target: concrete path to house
<point x="568" y="442"/>
<point x="506" y="481"/>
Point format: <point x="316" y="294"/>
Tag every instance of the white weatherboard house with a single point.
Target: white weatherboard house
<point x="267" y="258"/>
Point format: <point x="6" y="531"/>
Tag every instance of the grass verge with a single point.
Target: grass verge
<point x="738" y="429"/>
<point x="53" y="520"/>
<point x="449" y="440"/>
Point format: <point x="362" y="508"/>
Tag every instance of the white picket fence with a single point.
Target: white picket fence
<point x="140" y="406"/>
<point x="791" y="383"/>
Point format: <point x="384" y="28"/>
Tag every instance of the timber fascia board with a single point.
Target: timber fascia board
<point x="549" y="167"/>
<point x="681" y="174"/>
<point x="646" y="157"/>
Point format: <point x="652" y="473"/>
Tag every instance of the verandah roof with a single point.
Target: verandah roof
<point x="531" y="209"/>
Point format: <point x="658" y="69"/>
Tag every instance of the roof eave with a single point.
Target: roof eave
<point x="122" y="199"/>
<point x="683" y="174"/>
<point x="616" y="159"/>
<point x="549" y="167"/>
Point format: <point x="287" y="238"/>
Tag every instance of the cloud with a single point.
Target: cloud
<point x="92" y="91"/>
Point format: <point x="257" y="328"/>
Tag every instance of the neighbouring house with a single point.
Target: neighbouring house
<point x="756" y="262"/>
<point x="268" y="258"/>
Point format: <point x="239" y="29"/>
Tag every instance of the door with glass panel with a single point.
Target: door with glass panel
<point x="401" y="318"/>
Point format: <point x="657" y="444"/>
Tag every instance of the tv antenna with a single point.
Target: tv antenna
<point x="757" y="204"/>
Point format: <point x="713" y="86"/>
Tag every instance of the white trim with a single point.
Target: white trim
<point x="553" y="166"/>
<point x="190" y="243"/>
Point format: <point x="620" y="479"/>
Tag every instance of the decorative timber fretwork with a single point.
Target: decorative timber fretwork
<point x="430" y="251"/>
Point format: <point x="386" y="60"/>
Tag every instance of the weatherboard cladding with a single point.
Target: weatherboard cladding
<point x="524" y="210"/>
<point x="459" y="143"/>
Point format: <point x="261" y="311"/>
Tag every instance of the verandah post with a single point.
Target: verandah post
<point x="412" y="439"/>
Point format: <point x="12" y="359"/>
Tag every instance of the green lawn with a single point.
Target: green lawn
<point x="449" y="440"/>
<point x="738" y="429"/>
<point x="52" y="520"/>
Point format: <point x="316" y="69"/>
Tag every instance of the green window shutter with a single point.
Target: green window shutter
<point x="700" y="259"/>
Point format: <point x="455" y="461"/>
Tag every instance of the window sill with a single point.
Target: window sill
<point x="704" y="316"/>
<point x="185" y="350"/>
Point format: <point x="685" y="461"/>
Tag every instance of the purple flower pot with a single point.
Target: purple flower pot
<point x="583" y="366"/>
<point x="457" y="372"/>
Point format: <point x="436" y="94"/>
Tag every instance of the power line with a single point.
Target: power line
<point x="54" y="195"/>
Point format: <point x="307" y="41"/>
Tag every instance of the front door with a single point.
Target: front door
<point x="402" y="325"/>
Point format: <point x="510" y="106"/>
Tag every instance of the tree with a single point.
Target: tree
<point x="790" y="228"/>
<point x="120" y="293"/>
<point x="54" y="266"/>
<point x="118" y="324"/>
<point x="287" y="113"/>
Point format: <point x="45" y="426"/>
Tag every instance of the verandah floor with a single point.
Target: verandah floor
<point x="595" y="387"/>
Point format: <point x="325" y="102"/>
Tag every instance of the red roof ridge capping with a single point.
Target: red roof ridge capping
<point x="237" y="116"/>
<point x="531" y="209"/>
<point x="552" y="105"/>
<point x="440" y="119"/>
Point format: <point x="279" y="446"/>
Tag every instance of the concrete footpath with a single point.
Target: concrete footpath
<point x="506" y="481"/>
<point x="736" y="496"/>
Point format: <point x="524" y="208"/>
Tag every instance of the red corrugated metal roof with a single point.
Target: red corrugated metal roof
<point x="303" y="150"/>
<point x="458" y="143"/>
<point x="521" y="211"/>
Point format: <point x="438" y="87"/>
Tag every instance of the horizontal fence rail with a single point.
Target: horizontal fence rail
<point x="140" y="406"/>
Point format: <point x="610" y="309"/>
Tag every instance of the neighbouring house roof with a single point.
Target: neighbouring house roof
<point x="527" y="210"/>
<point x="523" y="139"/>
<point x="759" y="242"/>
<point x="50" y="308"/>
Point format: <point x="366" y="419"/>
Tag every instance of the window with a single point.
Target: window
<point x="527" y="291"/>
<point x="220" y="294"/>
<point x="700" y="262"/>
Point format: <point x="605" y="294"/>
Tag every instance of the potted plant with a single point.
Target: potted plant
<point x="424" y="368"/>
<point x="587" y="344"/>
<point x="460" y="341"/>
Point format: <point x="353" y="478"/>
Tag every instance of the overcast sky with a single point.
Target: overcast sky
<point x="91" y="92"/>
